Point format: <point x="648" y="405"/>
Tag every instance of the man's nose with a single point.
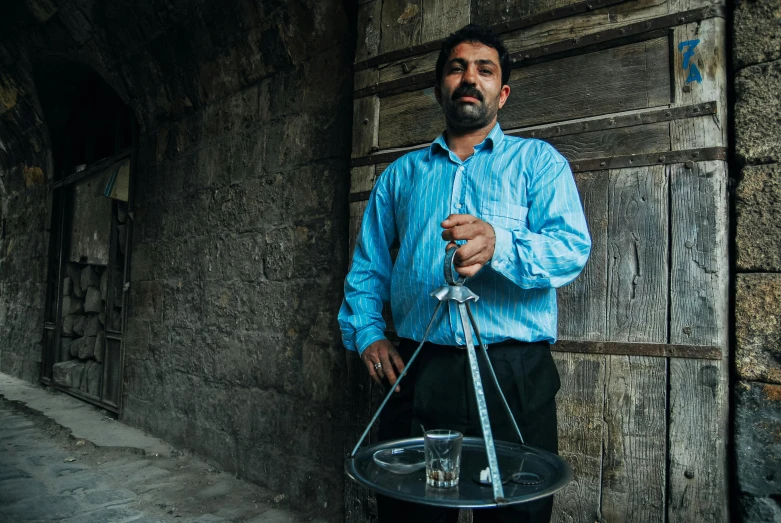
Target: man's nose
<point x="470" y="75"/>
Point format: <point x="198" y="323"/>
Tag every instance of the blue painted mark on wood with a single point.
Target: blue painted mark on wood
<point x="687" y="48"/>
<point x="694" y="75"/>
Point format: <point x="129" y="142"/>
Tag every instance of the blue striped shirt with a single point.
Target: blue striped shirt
<point x="523" y="187"/>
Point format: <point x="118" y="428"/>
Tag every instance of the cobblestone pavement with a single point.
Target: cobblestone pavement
<point x="46" y="474"/>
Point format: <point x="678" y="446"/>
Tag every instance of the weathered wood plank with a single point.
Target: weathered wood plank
<point x="619" y="79"/>
<point x="413" y="65"/>
<point x="633" y="484"/>
<point x="698" y="439"/>
<point x="579" y="408"/>
<point x="491" y="12"/>
<point x="577" y="126"/>
<point x="629" y="77"/>
<point x="701" y="48"/>
<point x="699" y="270"/>
<point x="442" y="18"/>
<point x="366" y="78"/>
<point x="637" y="255"/>
<point x="410" y="118"/>
<point x="587" y="23"/>
<point x="640" y="139"/>
<point x="698" y="315"/>
<point x="676" y="6"/>
<point x="369" y="30"/>
<point x="365" y="125"/>
<point x="549" y="32"/>
<point x="362" y="178"/>
<point x="582" y="304"/>
<point x="401" y="24"/>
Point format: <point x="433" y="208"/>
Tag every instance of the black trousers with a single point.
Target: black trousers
<point x="438" y="393"/>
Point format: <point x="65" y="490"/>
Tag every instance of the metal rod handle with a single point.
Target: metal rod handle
<point x="398" y="380"/>
<point x="493" y="375"/>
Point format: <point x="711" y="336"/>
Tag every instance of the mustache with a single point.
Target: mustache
<point x="467" y="90"/>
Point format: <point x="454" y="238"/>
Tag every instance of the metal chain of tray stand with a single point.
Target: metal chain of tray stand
<point x="456" y="291"/>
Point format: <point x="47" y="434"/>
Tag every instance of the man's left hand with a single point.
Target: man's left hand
<point x="480" y="242"/>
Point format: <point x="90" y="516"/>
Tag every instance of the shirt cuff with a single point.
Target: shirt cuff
<point x="501" y="261"/>
<point x="368" y="336"/>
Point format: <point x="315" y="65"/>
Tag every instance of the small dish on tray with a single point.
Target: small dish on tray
<point x="400" y="461"/>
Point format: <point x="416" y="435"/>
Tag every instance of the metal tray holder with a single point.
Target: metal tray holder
<point x="544" y="474"/>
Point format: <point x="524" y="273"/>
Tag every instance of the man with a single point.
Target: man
<point x="512" y="206"/>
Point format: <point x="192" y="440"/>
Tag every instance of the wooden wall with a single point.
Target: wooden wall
<point x="633" y="94"/>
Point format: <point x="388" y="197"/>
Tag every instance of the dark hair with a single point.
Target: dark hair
<point x="474" y="33"/>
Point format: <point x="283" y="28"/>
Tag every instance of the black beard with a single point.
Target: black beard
<point x="468" y="116"/>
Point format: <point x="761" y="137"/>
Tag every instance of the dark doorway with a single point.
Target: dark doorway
<point x="92" y="134"/>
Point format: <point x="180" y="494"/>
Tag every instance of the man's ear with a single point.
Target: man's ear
<point x="503" y="95"/>
<point x="438" y="94"/>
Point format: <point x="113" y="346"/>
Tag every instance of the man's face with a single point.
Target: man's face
<point x="471" y="92"/>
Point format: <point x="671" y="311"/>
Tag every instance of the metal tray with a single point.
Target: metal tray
<point x="553" y="471"/>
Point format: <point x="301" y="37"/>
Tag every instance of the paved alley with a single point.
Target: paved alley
<point x="48" y="474"/>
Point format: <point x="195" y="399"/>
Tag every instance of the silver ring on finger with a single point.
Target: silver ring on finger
<point x="378" y="366"/>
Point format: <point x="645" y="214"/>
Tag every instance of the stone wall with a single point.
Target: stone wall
<point x="25" y="168"/>
<point x="239" y="240"/>
<point x="757" y="66"/>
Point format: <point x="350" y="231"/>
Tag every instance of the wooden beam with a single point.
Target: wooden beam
<point x="661" y="350"/>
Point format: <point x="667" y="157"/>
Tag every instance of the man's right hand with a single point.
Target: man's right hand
<point x="384" y="353"/>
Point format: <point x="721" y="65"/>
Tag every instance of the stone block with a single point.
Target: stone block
<point x="93" y="301"/>
<point x="102" y="317"/>
<point x="758" y="205"/>
<point x="757" y="441"/>
<point x="89" y="278"/>
<point x="76" y="305"/>
<point x="65" y="349"/>
<point x="100" y="341"/>
<point x="66" y="305"/>
<point x="756" y="32"/>
<point x="758" y="113"/>
<point x="67" y="286"/>
<point x="92" y="325"/>
<point x="79" y="322"/>
<point x="759" y="510"/>
<point x="104" y="285"/>
<point x="74" y="349"/>
<point x="67" y="325"/>
<point x="758" y="327"/>
<point x="73" y="271"/>
<point x="84" y="347"/>
<point x="93" y="374"/>
<point x="68" y="373"/>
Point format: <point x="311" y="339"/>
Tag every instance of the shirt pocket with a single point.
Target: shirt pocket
<point x="507" y="215"/>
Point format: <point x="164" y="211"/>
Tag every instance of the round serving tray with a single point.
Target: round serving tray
<point x="551" y="474"/>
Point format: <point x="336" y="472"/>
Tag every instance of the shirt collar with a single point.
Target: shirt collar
<point x="494" y="137"/>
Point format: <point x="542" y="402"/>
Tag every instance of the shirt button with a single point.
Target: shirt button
<point x="458" y="206"/>
<point x="461" y="169"/>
